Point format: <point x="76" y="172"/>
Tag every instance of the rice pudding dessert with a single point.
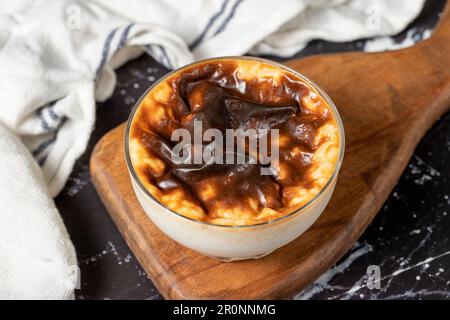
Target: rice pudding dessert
<point x="231" y="93"/>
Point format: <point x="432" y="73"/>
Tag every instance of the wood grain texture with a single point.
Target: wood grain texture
<point x="387" y="102"/>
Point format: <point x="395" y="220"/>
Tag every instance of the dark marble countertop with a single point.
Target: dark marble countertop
<point x="408" y="240"/>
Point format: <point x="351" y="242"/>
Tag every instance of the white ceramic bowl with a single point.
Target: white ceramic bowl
<point x="229" y="243"/>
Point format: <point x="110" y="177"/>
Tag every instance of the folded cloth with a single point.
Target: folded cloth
<point x="37" y="257"/>
<point x="58" y="58"/>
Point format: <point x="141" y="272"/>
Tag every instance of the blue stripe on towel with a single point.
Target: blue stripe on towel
<point x="151" y="51"/>
<point x="105" y="51"/>
<point x="166" y="58"/>
<point x="44" y="145"/>
<point x="55" y="118"/>
<point x="229" y="17"/>
<point x="53" y="114"/>
<point x="124" y="36"/>
<point x="161" y="57"/>
<point x="41" y="161"/>
<point x="199" y="39"/>
<point x="44" y="123"/>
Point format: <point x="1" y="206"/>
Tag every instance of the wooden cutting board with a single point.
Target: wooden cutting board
<point x="387" y="102"/>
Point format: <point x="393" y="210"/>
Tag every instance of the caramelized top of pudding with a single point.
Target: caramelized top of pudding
<point x="235" y="94"/>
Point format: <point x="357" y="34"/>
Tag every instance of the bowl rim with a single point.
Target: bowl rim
<point x="311" y="83"/>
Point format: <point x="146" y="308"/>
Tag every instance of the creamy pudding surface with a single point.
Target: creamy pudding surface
<point x="233" y="93"/>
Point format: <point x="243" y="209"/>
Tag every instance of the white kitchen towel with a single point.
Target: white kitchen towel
<point x="37" y="259"/>
<point x="58" y="57"/>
